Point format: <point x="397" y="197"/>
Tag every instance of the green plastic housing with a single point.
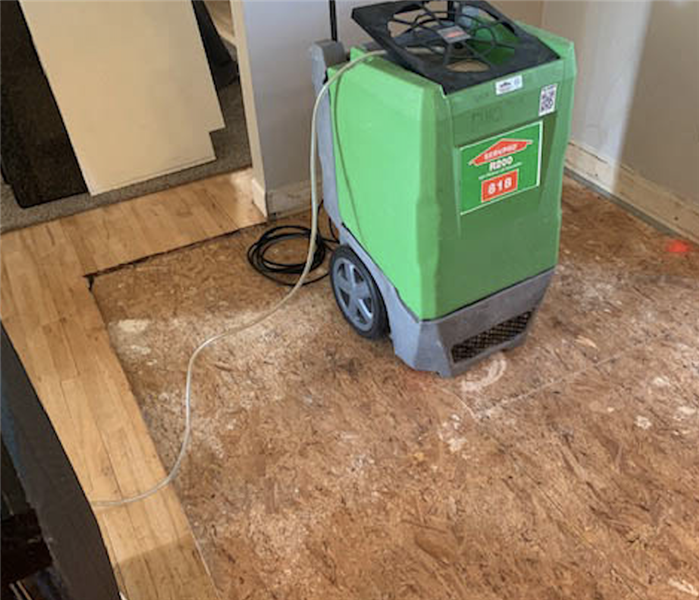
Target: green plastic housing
<point x="398" y="143"/>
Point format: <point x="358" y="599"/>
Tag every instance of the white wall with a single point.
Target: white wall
<point x="637" y="94"/>
<point x="279" y="34"/>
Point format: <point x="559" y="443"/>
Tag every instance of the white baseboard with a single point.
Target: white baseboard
<point x="630" y="187"/>
<point x="259" y="196"/>
<point x="286" y="200"/>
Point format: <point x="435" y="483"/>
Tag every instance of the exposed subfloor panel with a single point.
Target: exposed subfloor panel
<point x="322" y="467"/>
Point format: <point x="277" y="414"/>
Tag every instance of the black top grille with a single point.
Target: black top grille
<point x="456" y="43"/>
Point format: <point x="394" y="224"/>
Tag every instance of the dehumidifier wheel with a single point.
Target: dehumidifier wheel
<point x="357" y="294"/>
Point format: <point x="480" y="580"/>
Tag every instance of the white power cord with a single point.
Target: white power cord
<point x="309" y="261"/>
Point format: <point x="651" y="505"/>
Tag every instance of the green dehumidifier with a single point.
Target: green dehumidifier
<point x="442" y="164"/>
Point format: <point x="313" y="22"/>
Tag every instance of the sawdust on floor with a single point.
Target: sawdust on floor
<point x="322" y="467"/>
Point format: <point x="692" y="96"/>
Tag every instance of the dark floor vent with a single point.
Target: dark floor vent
<point x="496" y="335"/>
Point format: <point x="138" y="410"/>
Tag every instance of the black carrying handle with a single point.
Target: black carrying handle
<point x="332" y="7"/>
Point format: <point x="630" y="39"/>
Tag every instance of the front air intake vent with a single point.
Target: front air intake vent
<point x="496" y="335"/>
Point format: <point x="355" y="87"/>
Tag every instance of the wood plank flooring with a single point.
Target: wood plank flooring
<point x="58" y="331"/>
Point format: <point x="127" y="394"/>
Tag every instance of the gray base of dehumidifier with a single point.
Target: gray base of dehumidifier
<point x="451" y="344"/>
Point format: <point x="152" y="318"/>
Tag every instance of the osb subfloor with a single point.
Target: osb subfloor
<point x="322" y="467"/>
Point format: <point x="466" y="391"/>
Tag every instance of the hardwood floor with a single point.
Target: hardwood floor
<point x="58" y="331"/>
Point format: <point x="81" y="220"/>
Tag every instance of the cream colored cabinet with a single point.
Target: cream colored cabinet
<point x="132" y="84"/>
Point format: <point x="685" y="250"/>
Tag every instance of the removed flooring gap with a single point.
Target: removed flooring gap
<point x="94" y="275"/>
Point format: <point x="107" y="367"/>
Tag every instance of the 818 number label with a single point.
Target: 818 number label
<point x="499" y="186"/>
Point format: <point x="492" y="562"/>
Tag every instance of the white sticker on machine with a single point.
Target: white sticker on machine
<point x="547" y="99"/>
<point x="508" y="85"/>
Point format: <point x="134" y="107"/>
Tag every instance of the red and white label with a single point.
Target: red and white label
<point x="500" y="149"/>
<point x="499" y="186"/>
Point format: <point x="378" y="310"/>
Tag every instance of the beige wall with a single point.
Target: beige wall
<point x="637" y="94"/>
<point x="528" y="11"/>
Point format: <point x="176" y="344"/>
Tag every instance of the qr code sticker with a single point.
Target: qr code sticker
<point x="547" y="99"/>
